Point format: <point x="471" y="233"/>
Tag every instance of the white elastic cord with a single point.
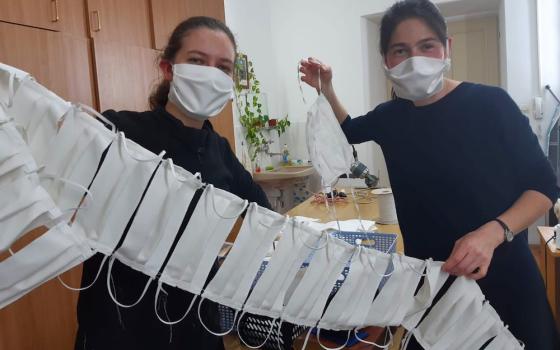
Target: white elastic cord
<point x="406" y="340"/>
<point x="299" y="83"/>
<point x="372" y="265"/>
<point x="98" y="115"/>
<point x="91" y="284"/>
<point x="122" y="139"/>
<point x="195" y="176"/>
<point x="11" y="89"/>
<point x="243" y="340"/>
<point x="332" y="216"/>
<point x="159" y="287"/>
<point x="111" y="261"/>
<point x="420" y="273"/>
<point x="324" y="232"/>
<point x="69" y="182"/>
<point x="357" y="208"/>
<point x="327" y="348"/>
<point x="373" y="343"/>
<point x="208" y="329"/>
<point x="211" y="191"/>
<point x="306" y="339"/>
<point x="279" y="334"/>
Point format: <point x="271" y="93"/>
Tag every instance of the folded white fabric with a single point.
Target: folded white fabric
<point x="10" y="79"/>
<point x="296" y="244"/>
<point x="15" y="157"/>
<point x="74" y="156"/>
<point x="349" y="307"/>
<point x="116" y="191"/>
<point x="198" y="247"/>
<point x="53" y="253"/>
<point x="306" y="305"/>
<point x="232" y="283"/>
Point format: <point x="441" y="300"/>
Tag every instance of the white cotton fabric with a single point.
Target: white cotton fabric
<point x="329" y="151"/>
<point x="53" y="253"/>
<point x="198" y="247"/>
<point x="116" y="191"/>
<point x="306" y="304"/>
<point x="349" y="307"/>
<point x="397" y="295"/>
<point x="294" y="247"/>
<point x="232" y="283"/>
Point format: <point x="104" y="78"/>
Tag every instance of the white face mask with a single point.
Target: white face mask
<point x="295" y="245"/>
<point x="418" y="77"/>
<point x="308" y="301"/>
<point x="53" y="253"/>
<point x="234" y="279"/>
<point x="328" y="148"/>
<point x="24" y="205"/>
<point x="117" y="191"/>
<point x="199" y="91"/>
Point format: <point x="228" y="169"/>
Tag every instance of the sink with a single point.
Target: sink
<point x="284" y="173"/>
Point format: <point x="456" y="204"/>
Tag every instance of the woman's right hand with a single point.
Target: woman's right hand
<point x="310" y="69"/>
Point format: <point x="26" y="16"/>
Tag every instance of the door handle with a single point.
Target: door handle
<point x="54" y="5"/>
<point x="95" y="14"/>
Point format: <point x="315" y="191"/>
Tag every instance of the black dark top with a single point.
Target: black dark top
<point x="103" y="325"/>
<point x="454" y="165"/>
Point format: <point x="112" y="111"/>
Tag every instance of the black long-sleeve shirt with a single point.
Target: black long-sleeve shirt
<point x="456" y="164"/>
<point x="102" y="325"/>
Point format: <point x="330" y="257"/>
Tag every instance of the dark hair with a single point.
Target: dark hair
<point x="158" y="96"/>
<point x="406" y="9"/>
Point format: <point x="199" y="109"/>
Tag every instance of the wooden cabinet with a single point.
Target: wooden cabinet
<point x="123" y="21"/>
<point x="550" y="269"/>
<point x="168" y="13"/>
<point x="58" y="15"/>
<point x="125" y="75"/>
<point x="59" y="61"/>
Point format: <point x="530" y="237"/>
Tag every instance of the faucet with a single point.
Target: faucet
<point x="266" y="149"/>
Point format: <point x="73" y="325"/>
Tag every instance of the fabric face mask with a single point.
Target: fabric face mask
<point x="349" y="306"/>
<point x="328" y="148"/>
<point x="24" y="205"/>
<point x="308" y="301"/>
<point x="15" y="157"/>
<point x="53" y="253"/>
<point x="464" y="296"/>
<point x="75" y="155"/>
<point x="200" y="243"/>
<point x="117" y="191"/>
<point x="397" y="295"/>
<point x="232" y="283"/>
<point x="10" y="79"/>
<point x="418" y="77"/>
<point x="199" y="91"/>
<point x="294" y="247"/>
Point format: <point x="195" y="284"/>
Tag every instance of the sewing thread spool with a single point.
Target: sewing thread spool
<point x="386" y="204"/>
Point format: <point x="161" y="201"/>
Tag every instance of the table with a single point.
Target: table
<point x="346" y="211"/>
<point x="550" y="269"/>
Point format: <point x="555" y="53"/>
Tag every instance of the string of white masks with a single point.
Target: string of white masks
<point x="152" y="222"/>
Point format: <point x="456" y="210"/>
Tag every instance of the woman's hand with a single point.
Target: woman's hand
<point x="472" y="254"/>
<point x="310" y="69"/>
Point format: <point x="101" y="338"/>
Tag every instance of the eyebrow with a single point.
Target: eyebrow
<point x="222" y="60"/>
<point x="423" y="41"/>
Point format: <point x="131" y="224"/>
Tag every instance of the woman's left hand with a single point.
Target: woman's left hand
<point x="472" y="253"/>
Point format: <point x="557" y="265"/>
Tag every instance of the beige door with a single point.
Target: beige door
<point x="475" y="50"/>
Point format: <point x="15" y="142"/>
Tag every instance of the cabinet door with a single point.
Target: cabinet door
<point x="60" y="62"/>
<point x="125" y="75"/>
<point x="36" y="13"/>
<point x="168" y="13"/>
<point x="125" y="21"/>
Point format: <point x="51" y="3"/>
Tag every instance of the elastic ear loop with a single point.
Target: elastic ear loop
<point x="327" y="348"/>
<point x="170" y="323"/>
<point x="88" y="286"/>
<point x="373" y="343"/>
<point x="406" y="340"/>
<point x="372" y="265"/>
<point x="208" y="329"/>
<point x="414" y="312"/>
<point x="98" y="115"/>
<point x="195" y="176"/>
<point x="357" y="208"/>
<point x="299" y="83"/>
<point x="253" y="346"/>
<point x="420" y="273"/>
<point x="109" y="289"/>
<point x="211" y="191"/>
<point x="125" y="148"/>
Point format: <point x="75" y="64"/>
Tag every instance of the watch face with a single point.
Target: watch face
<point x="509" y="235"/>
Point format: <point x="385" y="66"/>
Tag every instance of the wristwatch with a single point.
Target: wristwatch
<point x="507" y="232"/>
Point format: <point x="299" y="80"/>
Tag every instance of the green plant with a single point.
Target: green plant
<point x="251" y="116"/>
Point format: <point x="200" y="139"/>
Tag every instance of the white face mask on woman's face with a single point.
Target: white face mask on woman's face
<point x="418" y="77"/>
<point x="198" y="91"/>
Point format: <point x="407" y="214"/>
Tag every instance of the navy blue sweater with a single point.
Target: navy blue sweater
<point x="456" y="164"/>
